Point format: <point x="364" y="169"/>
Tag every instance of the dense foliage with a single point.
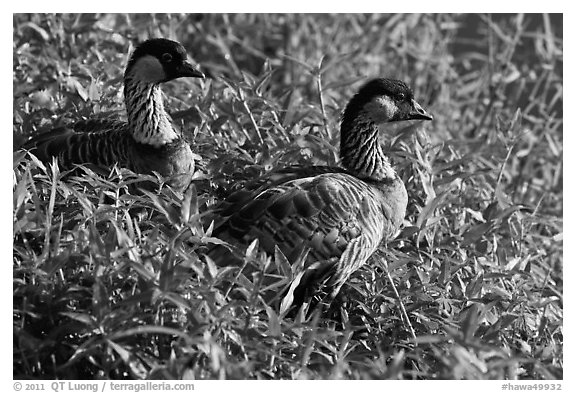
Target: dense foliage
<point x="113" y="283"/>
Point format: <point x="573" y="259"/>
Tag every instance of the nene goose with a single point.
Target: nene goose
<point x="148" y="141"/>
<point x="338" y="215"/>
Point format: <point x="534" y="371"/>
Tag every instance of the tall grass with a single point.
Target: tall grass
<point x="111" y="283"/>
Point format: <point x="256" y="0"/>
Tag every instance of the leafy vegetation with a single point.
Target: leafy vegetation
<point x="112" y="283"/>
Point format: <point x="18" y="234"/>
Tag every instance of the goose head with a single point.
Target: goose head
<point x="160" y="60"/>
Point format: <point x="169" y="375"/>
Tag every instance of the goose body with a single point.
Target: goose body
<point x="147" y="142"/>
<point x="339" y="215"/>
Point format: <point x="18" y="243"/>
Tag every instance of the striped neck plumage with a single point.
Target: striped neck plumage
<point x="361" y="152"/>
<point x="147" y="118"/>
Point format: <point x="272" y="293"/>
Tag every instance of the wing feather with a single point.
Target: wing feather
<point x="338" y="217"/>
<point x="105" y="147"/>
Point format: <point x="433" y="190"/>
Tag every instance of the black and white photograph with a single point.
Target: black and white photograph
<point x="287" y="196"/>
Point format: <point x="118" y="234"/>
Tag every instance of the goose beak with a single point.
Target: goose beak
<point x="188" y="70"/>
<point x="418" y="113"/>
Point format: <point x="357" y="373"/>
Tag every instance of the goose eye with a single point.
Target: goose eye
<point x="402" y="96"/>
<point x="166" y="58"/>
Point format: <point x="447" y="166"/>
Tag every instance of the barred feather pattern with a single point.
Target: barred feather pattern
<point x="146" y="115"/>
<point x="146" y="143"/>
<point x="335" y="216"/>
<point x="323" y="212"/>
<point x="77" y="144"/>
<point x="362" y="153"/>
